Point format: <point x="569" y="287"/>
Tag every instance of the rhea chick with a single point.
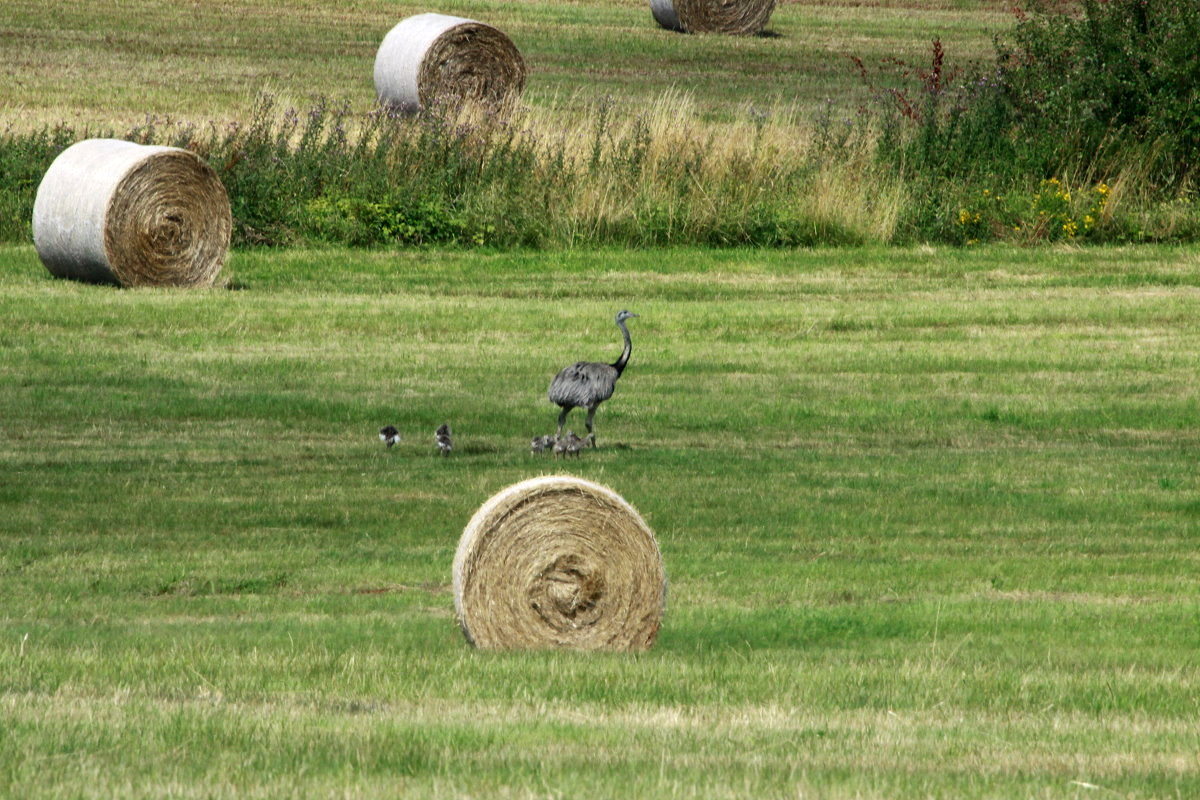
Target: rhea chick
<point x="389" y="435"/>
<point x="569" y="445"/>
<point x="541" y="444"/>
<point x="442" y="437"/>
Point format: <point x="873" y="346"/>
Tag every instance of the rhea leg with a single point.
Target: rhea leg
<point x="562" y="420"/>
<point x="591" y="436"/>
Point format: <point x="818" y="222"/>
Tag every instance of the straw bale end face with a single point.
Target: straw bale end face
<point x="111" y="211"/>
<point x="559" y="562"/>
<point x="435" y="58"/>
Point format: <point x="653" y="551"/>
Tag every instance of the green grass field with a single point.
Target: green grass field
<point x="929" y="518"/>
<point x="109" y="63"/>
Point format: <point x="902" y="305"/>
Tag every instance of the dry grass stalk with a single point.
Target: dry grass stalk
<point x="559" y="562"/>
<point x="431" y="58"/>
<point x="111" y="211"/>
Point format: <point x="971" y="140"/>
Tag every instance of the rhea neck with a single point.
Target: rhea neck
<point x="619" y="364"/>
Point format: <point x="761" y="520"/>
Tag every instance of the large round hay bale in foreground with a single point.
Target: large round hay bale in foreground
<point x="435" y="58"/>
<point x="559" y="562"/>
<point x="111" y="211"/>
<point x="736" y="17"/>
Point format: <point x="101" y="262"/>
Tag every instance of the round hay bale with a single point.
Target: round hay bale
<point x="736" y="17"/>
<point x="431" y="58"/>
<point x="111" y="211"/>
<point x="559" y="562"/>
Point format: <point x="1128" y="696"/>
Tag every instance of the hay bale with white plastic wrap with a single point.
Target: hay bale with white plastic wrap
<point x="736" y="17"/>
<point x="559" y="562"/>
<point x="432" y="58"/>
<point x="111" y="211"/>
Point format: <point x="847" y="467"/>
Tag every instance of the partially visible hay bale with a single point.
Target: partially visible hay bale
<point x="111" y="211"/>
<point x="737" y="17"/>
<point x="559" y="562"/>
<point x="434" y="57"/>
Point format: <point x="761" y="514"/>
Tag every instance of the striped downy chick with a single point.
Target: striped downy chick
<point x="389" y="435"/>
<point x="541" y="444"/>
<point x="569" y="445"/>
<point x="442" y="437"/>
<point x="575" y="444"/>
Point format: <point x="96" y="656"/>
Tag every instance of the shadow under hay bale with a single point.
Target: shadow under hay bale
<point x="431" y="58"/>
<point x="559" y="562"/>
<point x="735" y="17"/>
<point x="111" y="211"/>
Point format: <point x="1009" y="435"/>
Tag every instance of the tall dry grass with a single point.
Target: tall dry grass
<point x="665" y="174"/>
<point x="567" y="174"/>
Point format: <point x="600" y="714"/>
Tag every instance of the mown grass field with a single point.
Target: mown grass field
<point x="110" y="64"/>
<point x="929" y="517"/>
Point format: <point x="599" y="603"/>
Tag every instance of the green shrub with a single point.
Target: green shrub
<point x="1120" y="82"/>
<point x="1108" y="92"/>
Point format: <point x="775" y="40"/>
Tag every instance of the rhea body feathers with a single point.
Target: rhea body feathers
<point x="587" y="384"/>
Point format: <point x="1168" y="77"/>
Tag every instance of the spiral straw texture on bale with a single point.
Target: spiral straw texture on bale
<point x="111" y="211"/>
<point x="559" y="562"/>
<point x="432" y="58"/>
<point x="736" y="17"/>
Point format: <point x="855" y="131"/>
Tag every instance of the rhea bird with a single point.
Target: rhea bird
<point x="389" y="435"/>
<point x="442" y="437"/>
<point x="540" y="444"/>
<point x="587" y="384"/>
<point x="569" y="445"/>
